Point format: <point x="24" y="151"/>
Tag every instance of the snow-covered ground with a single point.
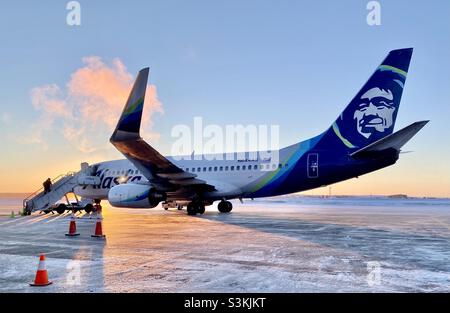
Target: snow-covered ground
<point x="285" y="244"/>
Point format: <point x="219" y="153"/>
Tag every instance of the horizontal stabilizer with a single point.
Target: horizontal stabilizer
<point x="392" y="141"/>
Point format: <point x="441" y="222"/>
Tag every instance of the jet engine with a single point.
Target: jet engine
<point x="135" y="196"/>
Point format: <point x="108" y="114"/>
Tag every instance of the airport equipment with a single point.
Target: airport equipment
<point x="98" y="228"/>
<point x="41" y="278"/>
<point x="61" y="186"/>
<point x="72" y="228"/>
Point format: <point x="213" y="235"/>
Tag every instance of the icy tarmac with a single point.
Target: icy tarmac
<point x="289" y="244"/>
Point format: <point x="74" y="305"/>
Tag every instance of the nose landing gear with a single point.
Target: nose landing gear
<point x="225" y="206"/>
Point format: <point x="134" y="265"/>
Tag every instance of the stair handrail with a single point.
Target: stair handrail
<point x="54" y="180"/>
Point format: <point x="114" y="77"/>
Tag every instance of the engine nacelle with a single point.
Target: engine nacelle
<point x="134" y="196"/>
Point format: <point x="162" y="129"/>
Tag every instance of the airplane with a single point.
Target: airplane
<point x="361" y="140"/>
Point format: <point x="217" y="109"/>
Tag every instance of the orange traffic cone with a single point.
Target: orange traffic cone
<point x="41" y="274"/>
<point x="72" y="228"/>
<point x="98" y="228"/>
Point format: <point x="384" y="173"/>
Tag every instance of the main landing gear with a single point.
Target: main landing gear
<point x="195" y="207"/>
<point x="198" y="207"/>
<point x="225" y="206"/>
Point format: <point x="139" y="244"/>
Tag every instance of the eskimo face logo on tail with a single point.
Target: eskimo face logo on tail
<point x="375" y="112"/>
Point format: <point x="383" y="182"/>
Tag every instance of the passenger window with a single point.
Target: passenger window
<point x="204" y="169"/>
<point x="274" y="166"/>
<point x="232" y="168"/>
<point x="193" y="169"/>
<point x="255" y="167"/>
<point x="226" y="168"/>
<point x="215" y="168"/>
<point x="279" y="165"/>
<point x="238" y="168"/>
<point x="210" y="169"/>
<point x="199" y="169"/>
<point x="286" y="165"/>
<point x="267" y="166"/>
<point x="221" y="168"/>
<point x="243" y="167"/>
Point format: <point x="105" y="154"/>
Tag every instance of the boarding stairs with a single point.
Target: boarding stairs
<point x="61" y="186"/>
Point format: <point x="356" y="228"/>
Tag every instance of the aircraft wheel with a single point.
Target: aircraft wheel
<point x="88" y="208"/>
<point x="61" y="208"/>
<point x="229" y="206"/>
<point x="191" y="210"/>
<point x="179" y="207"/>
<point x="225" y="206"/>
<point x="201" y="209"/>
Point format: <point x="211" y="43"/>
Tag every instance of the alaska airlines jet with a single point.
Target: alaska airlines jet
<point x="360" y="141"/>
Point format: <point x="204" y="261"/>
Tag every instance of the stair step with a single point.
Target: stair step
<point x="60" y="188"/>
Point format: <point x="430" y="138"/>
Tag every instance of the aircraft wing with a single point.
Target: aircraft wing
<point x="392" y="141"/>
<point x="155" y="167"/>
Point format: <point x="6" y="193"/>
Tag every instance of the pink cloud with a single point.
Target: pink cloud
<point x="88" y="108"/>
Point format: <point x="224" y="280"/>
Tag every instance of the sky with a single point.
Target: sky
<point x="295" y="64"/>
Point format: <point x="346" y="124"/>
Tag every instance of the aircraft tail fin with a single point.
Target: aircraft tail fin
<point x="372" y="113"/>
<point x="130" y="120"/>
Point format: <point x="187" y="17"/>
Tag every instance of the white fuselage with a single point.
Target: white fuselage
<point x="231" y="175"/>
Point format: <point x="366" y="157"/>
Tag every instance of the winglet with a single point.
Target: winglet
<point x="130" y="120"/>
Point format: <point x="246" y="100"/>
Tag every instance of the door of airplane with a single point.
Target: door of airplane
<point x="313" y="165"/>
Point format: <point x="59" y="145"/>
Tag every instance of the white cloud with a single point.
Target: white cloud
<point x="86" y="110"/>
